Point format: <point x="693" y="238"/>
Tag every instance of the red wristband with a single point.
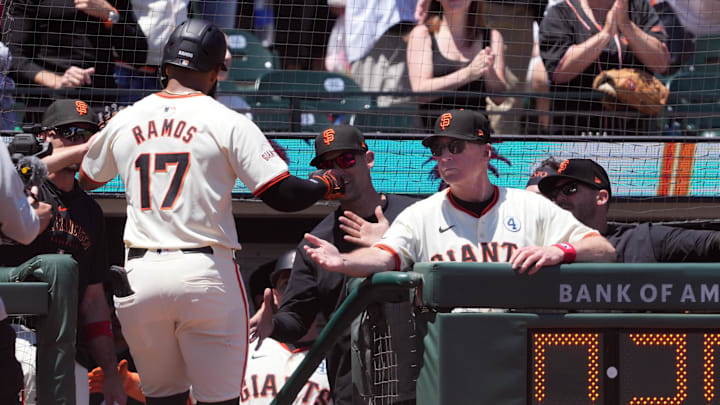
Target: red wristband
<point x="95" y="329"/>
<point x="568" y="252"/>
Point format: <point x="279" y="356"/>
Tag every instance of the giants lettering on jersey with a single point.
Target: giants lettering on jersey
<point x="269" y="389"/>
<point x="168" y="128"/>
<point x="489" y="252"/>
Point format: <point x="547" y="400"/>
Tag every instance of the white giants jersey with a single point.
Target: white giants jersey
<point x="270" y="366"/>
<point x="438" y="229"/>
<point x="179" y="157"/>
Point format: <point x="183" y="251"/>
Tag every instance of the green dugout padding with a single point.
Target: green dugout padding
<point x="492" y="358"/>
<point x="25" y="298"/>
<point x="597" y="286"/>
<point x="593" y="333"/>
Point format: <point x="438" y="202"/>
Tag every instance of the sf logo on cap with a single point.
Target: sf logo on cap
<point x="81" y="107"/>
<point x="563" y="166"/>
<point x="328" y="136"/>
<point x="445" y="120"/>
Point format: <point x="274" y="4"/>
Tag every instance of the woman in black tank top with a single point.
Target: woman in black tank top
<point x="454" y="51"/>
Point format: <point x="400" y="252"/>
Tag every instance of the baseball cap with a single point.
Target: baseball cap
<point x="467" y="125"/>
<point x="586" y="171"/>
<point x="66" y="112"/>
<point x="284" y="263"/>
<point x="540" y="174"/>
<point x="338" y="137"/>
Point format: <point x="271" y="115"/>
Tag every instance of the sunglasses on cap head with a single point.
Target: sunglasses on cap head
<point x="343" y="161"/>
<point x="568" y="189"/>
<point x="73" y="134"/>
<point x="456" y="146"/>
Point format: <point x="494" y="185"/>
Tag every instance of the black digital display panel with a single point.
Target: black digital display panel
<point x="624" y="366"/>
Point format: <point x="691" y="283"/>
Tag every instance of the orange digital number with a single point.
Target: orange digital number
<point x="679" y="340"/>
<point x="541" y="341"/>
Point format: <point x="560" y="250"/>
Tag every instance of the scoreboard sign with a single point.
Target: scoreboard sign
<point x="578" y="334"/>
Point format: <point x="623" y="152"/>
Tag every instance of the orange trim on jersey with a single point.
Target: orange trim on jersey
<point x="668" y="163"/>
<point x="296" y="350"/>
<point x="496" y="196"/>
<point x="271" y="183"/>
<point x="94" y="183"/>
<point x="166" y="95"/>
<point x="396" y="257"/>
<point x="591" y="235"/>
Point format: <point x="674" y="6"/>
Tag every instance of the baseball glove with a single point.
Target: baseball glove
<point x="333" y="180"/>
<point x="632" y="87"/>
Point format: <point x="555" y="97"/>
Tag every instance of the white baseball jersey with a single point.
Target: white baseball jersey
<point x="270" y="366"/>
<point x="438" y="229"/>
<point x="178" y="157"/>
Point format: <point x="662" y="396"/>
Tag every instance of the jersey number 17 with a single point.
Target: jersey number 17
<point x="162" y="161"/>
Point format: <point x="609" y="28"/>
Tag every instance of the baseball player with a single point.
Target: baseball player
<point x="178" y="153"/>
<point x="473" y="220"/>
<point x="272" y="363"/>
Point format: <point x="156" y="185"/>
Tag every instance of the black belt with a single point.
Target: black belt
<point x="134" y="253"/>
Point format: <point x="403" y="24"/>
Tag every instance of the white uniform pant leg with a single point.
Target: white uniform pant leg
<point x="186" y="324"/>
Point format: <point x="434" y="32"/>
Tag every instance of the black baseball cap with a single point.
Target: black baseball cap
<point x="284" y="263"/>
<point x="586" y="171"/>
<point x="540" y="174"/>
<point x="338" y="137"/>
<point x="66" y="112"/>
<point x="467" y="125"/>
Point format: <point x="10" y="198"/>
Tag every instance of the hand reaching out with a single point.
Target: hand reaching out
<point x="362" y="232"/>
<point x="324" y="253"/>
<point x="261" y="324"/>
<point x="75" y="77"/>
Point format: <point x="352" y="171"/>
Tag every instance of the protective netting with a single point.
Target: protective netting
<point x="302" y="65"/>
<point x="298" y="66"/>
<point x="26" y="354"/>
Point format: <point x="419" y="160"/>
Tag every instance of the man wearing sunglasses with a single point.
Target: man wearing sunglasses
<point x="360" y="220"/>
<point x="76" y="231"/>
<point x="582" y="187"/>
<point x="472" y="220"/>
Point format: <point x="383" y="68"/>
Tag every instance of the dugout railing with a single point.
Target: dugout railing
<point x="570" y="334"/>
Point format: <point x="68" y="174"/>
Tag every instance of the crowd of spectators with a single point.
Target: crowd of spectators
<point x="393" y="46"/>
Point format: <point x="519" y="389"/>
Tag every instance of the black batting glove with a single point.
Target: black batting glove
<point x="333" y="180"/>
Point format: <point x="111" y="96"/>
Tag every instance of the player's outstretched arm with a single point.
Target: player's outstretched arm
<point x="530" y="259"/>
<point x="361" y="262"/>
<point x="295" y="194"/>
<point x="261" y="324"/>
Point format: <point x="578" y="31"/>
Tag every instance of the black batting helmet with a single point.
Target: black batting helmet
<point x="195" y="44"/>
<point x="284" y="263"/>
